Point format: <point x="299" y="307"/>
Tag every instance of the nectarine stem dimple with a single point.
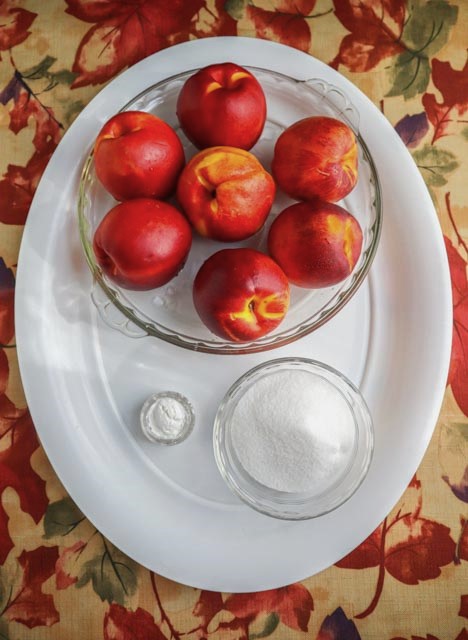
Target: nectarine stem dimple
<point x="239" y="75"/>
<point x="273" y="307"/>
<point x="213" y="86"/>
<point x="246" y="313"/>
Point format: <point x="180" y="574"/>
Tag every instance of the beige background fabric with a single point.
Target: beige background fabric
<point x="59" y="578"/>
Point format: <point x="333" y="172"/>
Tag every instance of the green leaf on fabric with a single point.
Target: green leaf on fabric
<point x="411" y="75"/>
<point x="73" y="109"/>
<point x="64" y="76"/>
<point x="465" y="133"/>
<point x="42" y="71"/>
<point x="61" y="518"/>
<point x="426" y="31"/>
<point x="271" y="623"/>
<point x="39" y="70"/>
<point x="428" y="25"/>
<point x="235" y="8"/>
<point x="112" y="574"/>
<point x="435" y="164"/>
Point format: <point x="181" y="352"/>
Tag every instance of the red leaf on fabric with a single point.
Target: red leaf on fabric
<point x="419" y="547"/>
<point x="7" y="295"/>
<point x="64" y="577"/>
<point x="16" y="472"/>
<point x="30" y="605"/>
<point x="47" y="132"/>
<point x="376" y="29"/>
<point x="207" y="606"/>
<point x="463" y="611"/>
<point x="288" y="28"/>
<point x="19" y="185"/>
<point x="338" y="627"/>
<point x="97" y="10"/>
<point x="122" y="624"/>
<point x="292" y="604"/>
<point x="411" y="548"/>
<point x="9" y="416"/>
<point x="14" y="24"/>
<point x="458" y="372"/>
<point x="463" y="635"/>
<point x="6" y="543"/>
<point x="215" y="22"/>
<point x="453" y="85"/>
<point x="462" y="547"/>
<point x="125" y="32"/>
<point x="9" y="413"/>
<point x="367" y="554"/>
<point x="4" y="371"/>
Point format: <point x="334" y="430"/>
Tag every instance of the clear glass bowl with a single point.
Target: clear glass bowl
<point x="288" y="505"/>
<point x="168" y="312"/>
<point x="157" y="418"/>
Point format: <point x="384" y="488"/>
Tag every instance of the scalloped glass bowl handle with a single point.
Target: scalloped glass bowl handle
<point x="112" y="316"/>
<point x="332" y="94"/>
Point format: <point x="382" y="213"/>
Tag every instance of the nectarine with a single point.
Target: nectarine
<point x="222" y="104"/>
<point x="317" y="244"/>
<point x="241" y="294"/>
<point x="142" y="244"/>
<point x="316" y="157"/>
<point x="138" y="155"/>
<point x="225" y="193"/>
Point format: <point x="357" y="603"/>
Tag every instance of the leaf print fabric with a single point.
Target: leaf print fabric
<point x="60" y="578"/>
<point x="125" y="32"/>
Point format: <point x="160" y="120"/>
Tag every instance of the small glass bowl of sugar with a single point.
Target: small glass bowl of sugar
<point x="293" y="438"/>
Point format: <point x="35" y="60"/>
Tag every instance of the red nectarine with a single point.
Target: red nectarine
<point x="316" y="157"/>
<point x="225" y="193"/>
<point x="142" y="243"/>
<point x="138" y="155"/>
<point x="317" y="244"/>
<point x="241" y="294"/>
<point x="222" y="104"/>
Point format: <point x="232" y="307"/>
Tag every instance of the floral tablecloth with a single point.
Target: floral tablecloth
<point x="59" y="577"/>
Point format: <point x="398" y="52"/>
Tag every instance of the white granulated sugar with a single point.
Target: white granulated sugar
<point x="293" y="431"/>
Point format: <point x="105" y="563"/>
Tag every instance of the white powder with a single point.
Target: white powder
<point x="166" y="416"/>
<point x="293" y="431"/>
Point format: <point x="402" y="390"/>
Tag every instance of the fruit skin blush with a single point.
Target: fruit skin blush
<point x="294" y="432"/>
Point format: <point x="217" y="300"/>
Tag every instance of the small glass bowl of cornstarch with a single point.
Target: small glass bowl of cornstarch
<point x="293" y="438"/>
<point x="167" y="417"/>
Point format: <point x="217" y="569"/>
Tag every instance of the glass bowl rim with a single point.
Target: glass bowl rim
<point x="217" y="347"/>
